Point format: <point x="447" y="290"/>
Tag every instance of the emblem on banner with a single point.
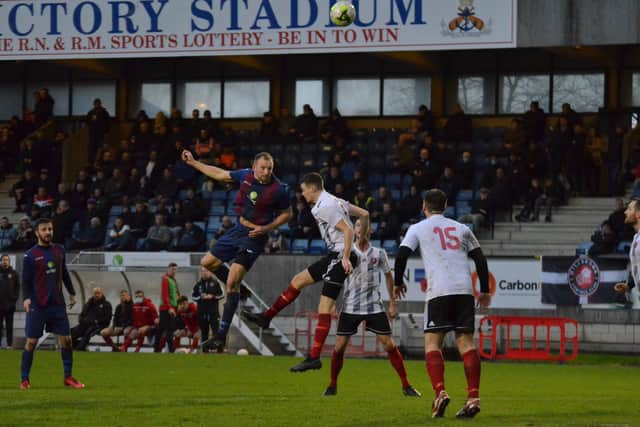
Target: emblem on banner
<point x="466" y="23"/>
<point x="584" y="277"/>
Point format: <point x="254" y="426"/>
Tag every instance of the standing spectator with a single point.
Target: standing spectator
<point x="23" y="192"/>
<point x="335" y="127"/>
<point x="533" y="193"/>
<point x="593" y="161"/>
<point x="514" y="137"/>
<point x="572" y="117"/>
<point x="546" y="200"/>
<point x="500" y="196"/>
<point x="430" y="168"/>
<point x="306" y="125"/>
<point x="268" y="133"/>
<point x="170" y="294"/>
<point x="145" y="321"/>
<point x="212" y="126"/>
<point x="188" y="313"/>
<point x="122" y="321"/>
<point x="534" y="123"/>
<point x="95" y="316"/>
<point x="8" y="234"/>
<point x="207" y="292"/>
<point x="44" y="107"/>
<point x="98" y="121"/>
<point x="560" y="141"/>
<point x="159" y="236"/>
<point x="119" y="237"/>
<point x="466" y="171"/>
<point x="286" y="125"/>
<point x="25" y="237"/>
<point x="459" y="128"/>
<point x="9" y="292"/>
<point x="480" y="211"/>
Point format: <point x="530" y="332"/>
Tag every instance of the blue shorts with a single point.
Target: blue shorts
<point x="54" y="319"/>
<point x="236" y="245"/>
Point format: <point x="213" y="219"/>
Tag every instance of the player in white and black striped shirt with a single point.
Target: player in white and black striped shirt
<point x="363" y="302"/>
<point x="632" y="217"/>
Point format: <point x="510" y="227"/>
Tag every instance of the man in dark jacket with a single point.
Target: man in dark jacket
<point x="9" y="292"/>
<point x="122" y="321"/>
<point x="207" y="292"/>
<point x="95" y="316"/>
<point x="98" y="123"/>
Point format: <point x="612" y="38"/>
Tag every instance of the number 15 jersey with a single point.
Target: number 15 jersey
<point x="444" y="246"/>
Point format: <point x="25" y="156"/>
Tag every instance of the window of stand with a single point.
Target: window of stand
<point x="10" y="100"/>
<point x="246" y="99"/>
<point x="585" y="92"/>
<point x="635" y="89"/>
<point x="475" y="94"/>
<point x="357" y="97"/>
<point x="155" y="97"/>
<point x="314" y="92"/>
<point x="403" y="96"/>
<point x="84" y="93"/>
<point x="200" y="96"/>
<point x="518" y="90"/>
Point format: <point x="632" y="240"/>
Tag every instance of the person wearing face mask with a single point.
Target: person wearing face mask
<point x="144" y="321"/>
<point x="122" y="320"/>
<point x="95" y="316"/>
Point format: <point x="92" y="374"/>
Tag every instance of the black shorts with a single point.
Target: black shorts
<point x="378" y="323"/>
<point x="450" y="313"/>
<point x="329" y="268"/>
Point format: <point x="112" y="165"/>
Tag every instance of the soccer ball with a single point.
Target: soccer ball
<point x="343" y="13"/>
<point x="242" y="352"/>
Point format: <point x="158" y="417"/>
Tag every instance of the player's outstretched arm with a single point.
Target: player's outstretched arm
<point x="404" y="252"/>
<point x="258" y="230"/>
<point x="482" y="268"/>
<point x="363" y="214"/>
<point x="211" y="171"/>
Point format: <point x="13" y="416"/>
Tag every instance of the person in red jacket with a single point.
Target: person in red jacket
<point x="188" y="313"/>
<point x="145" y="321"/>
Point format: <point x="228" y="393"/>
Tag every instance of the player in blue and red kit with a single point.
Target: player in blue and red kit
<point x="44" y="271"/>
<point x="262" y="203"/>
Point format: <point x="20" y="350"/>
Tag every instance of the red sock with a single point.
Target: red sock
<point x="322" y="330"/>
<point x="337" y="359"/>
<point x="286" y="298"/>
<point x="435" y="367"/>
<point x="139" y="343"/>
<point x="176" y="343"/>
<point x="163" y="342"/>
<point x="194" y="343"/>
<point x="126" y="344"/>
<point x="472" y="371"/>
<point x="398" y="364"/>
<point x="108" y="340"/>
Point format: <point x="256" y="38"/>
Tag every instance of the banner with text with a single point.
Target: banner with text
<point x="514" y="283"/>
<point x="121" y="260"/>
<point x="153" y="28"/>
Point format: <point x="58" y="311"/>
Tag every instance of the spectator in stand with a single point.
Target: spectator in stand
<point x="137" y="185"/>
<point x="303" y="225"/>
<point x="536" y="161"/>
<point x="27" y="156"/>
<point x="465" y="171"/>
<point x="480" y="211"/>
<point x="193" y="126"/>
<point x="55" y="156"/>
<point x="514" y="138"/>
<point x="448" y="183"/>
<point x="287" y="126"/>
<point x="268" y="133"/>
<point x="122" y="321"/>
<point x="306" y="125"/>
<point x="63" y="220"/>
<point x="98" y="181"/>
<point x="444" y="155"/>
<point x="159" y="121"/>
<point x="275" y="243"/>
<point x="593" y="161"/>
<point x="119" y="237"/>
<point x="203" y="144"/>
<point x="168" y="309"/>
<point x="167" y="188"/>
<point x="190" y="238"/>
<point x="125" y="164"/>
<point x="9" y="293"/>
<point x="560" y="141"/>
<point x="500" y="196"/>
<point x="23" y="192"/>
<point x="534" y="123"/>
<point x="614" y="161"/>
<point x="44" y="107"/>
<point x="430" y="168"/>
<point x="624" y="232"/>
<point x="116" y="186"/>
<point x="42" y="204"/>
<point x="45" y="181"/>
<point x="159" y="235"/>
<point x="95" y="316"/>
<point x="575" y="159"/>
<point x="79" y="197"/>
<point x="421" y="125"/>
<point x="98" y="121"/>
<point x="572" y="117"/>
<point x="404" y="158"/>
<point x="517" y="174"/>
<point x="8" y="234"/>
<point x="152" y="169"/>
<point x="335" y="127"/>
<point x="210" y="124"/>
<point x="144" y="324"/>
<point x="228" y="157"/>
<point x="106" y="163"/>
<point x="458" y="128"/>
<point x="363" y="199"/>
<point x="534" y="192"/>
<point x="388" y="224"/>
<point x="226" y="225"/>
<point x="25" y="237"/>
<point x="411" y="207"/>
<point x="86" y="235"/>
<point x="334" y="177"/>
<point x="550" y="196"/>
<point x="9" y="149"/>
<point x="194" y="206"/>
<point x="382" y="197"/>
<point x="358" y="180"/>
<point x="62" y="193"/>
<point x="207" y="292"/>
<point x="188" y="324"/>
<point x="140" y="220"/>
<point x="604" y="240"/>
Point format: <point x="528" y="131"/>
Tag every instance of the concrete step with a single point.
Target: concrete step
<point x="536" y="227"/>
<point x="556" y="236"/>
<point x="511" y="248"/>
<point x="593" y="202"/>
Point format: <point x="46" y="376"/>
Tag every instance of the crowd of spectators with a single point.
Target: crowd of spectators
<point x="139" y="195"/>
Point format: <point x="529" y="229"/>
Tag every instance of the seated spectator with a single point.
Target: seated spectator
<point x="593" y="161"/>
<point x="500" y="192"/>
<point x="178" y="216"/>
<point x="152" y="169"/>
<point x="42" y="204"/>
<point x="514" y="138"/>
<point x="334" y="177"/>
<point x="449" y="184"/>
<point x="624" y="232"/>
<point x="443" y="154"/>
<point x="388" y="224"/>
<point x="8" y="234"/>
<point x="306" y="125"/>
<point x="363" y="199"/>
<point x="140" y="220"/>
<point x="410" y="209"/>
<point x="79" y="196"/>
<point x="106" y="163"/>
<point x="203" y="144"/>
<point x="431" y="168"/>
<point x="86" y="235"/>
<point x="404" y="157"/>
<point x="225" y="226"/>
<point x="27" y="156"/>
<point x="384" y="196"/>
<point x="533" y="193"/>
<point x="23" y="192"/>
<point x="62" y="193"/>
<point x="101" y="205"/>
<point x="188" y="314"/>
<point x="465" y="171"/>
<point x="145" y="321"/>
<point x="122" y="321"/>
<point x="275" y="243"/>
<point x="194" y="206"/>
<point x="9" y="149"/>
<point x="125" y="164"/>
<point x="45" y="181"/>
<point x="25" y="237"/>
<point x="421" y="125"/>
<point x="98" y="181"/>
<point x="210" y="124"/>
<point x="116" y="186"/>
<point x="303" y="226"/>
<point x="95" y="316"/>
<point x="119" y="237"/>
<point x="190" y="238"/>
<point x="207" y="189"/>
<point x="480" y="211"/>
<point x="63" y="220"/>
<point x="549" y="197"/>
<point x="158" y="237"/>
<point x="228" y="157"/>
<point x="604" y="240"/>
<point x="167" y="188"/>
<point x="268" y="133"/>
<point x="286" y="126"/>
<point x="340" y="191"/>
<point x="458" y="128"/>
<point x="334" y="127"/>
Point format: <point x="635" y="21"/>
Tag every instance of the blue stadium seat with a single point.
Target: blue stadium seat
<point x="396" y="195"/>
<point x="450" y="212"/>
<point x="624" y="247"/>
<point x="376" y="163"/>
<point x="376" y="243"/>
<point x="214" y="223"/>
<point x="317" y="247"/>
<point x="374" y="226"/>
<point x="299" y="246"/>
<point x="464" y="196"/>
<point x="182" y="194"/>
<point x="375" y="180"/>
<point x="217" y="209"/>
<point x="462" y="208"/>
<point x="285" y="229"/>
<point x="390" y="246"/>
<point x="583" y="248"/>
<point x="393" y="180"/>
<point x="219" y="196"/>
<point x="200" y="224"/>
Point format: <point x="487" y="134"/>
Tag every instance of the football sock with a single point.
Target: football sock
<point x="286" y="298"/>
<point x="322" y="330"/>
<point x="139" y="343"/>
<point x="337" y="359"/>
<point x="194" y="343"/>
<point x="230" y="308"/>
<point x="398" y="364"/>
<point x="176" y="342"/>
<point x="222" y="273"/>
<point x="108" y="340"/>
<point x="25" y="366"/>
<point x="435" y="367"/>
<point x="471" y="362"/>
<point x="125" y="345"/>
<point x="67" y="361"/>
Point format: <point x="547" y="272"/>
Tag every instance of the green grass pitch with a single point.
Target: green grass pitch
<point x="180" y="390"/>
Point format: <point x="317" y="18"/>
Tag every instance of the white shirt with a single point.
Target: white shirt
<point x="444" y="245"/>
<point x="634" y="259"/>
<point x="362" y="290"/>
<point x="328" y="211"/>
